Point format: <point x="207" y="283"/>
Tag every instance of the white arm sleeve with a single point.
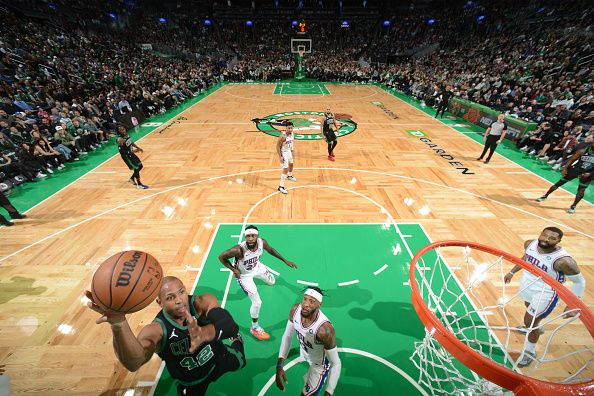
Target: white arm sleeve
<point x="286" y="341"/>
<point x="579" y="284"/>
<point x="335" y="366"/>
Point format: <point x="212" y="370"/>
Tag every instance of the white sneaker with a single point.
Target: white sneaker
<point x="292" y="178"/>
<point x="532" y="152"/>
<point x="556" y="167"/>
<point x="551" y="162"/>
<point x="61" y="166"/>
<point x="40" y="175"/>
<point x="282" y="190"/>
<point x="49" y="170"/>
<point x="526" y="359"/>
<point x="525" y="148"/>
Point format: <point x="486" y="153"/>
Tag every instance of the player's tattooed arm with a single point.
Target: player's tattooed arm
<point x="327" y="336"/>
<point x="234" y="252"/>
<point x="567" y="265"/>
<point x="570" y="268"/>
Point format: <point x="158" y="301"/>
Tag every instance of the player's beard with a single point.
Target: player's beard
<point x="251" y="246"/>
<point x="544" y="245"/>
<point x="311" y="313"/>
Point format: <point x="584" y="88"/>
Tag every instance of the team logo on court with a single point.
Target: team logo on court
<point x="307" y="124"/>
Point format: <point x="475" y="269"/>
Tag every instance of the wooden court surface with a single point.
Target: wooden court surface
<point x="214" y="168"/>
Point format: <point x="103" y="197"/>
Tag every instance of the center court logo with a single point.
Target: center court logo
<point x="307" y="124"/>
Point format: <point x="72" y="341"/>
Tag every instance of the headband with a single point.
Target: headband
<point x="315" y="294"/>
<point x="251" y="231"/>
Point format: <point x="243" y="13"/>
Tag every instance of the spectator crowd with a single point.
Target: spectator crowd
<point x="67" y="80"/>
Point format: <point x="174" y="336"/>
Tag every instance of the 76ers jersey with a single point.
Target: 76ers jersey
<point x="250" y="258"/>
<point x="311" y="349"/>
<point x="544" y="261"/>
<point x="288" y="143"/>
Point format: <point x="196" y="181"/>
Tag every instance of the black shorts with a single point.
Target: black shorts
<point x="584" y="177"/>
<point x="133" y="162"/>
<point x="232" y="359"/>
<point x="329" y="135"/>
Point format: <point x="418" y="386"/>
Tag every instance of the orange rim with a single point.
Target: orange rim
<point x="486" y="368"/>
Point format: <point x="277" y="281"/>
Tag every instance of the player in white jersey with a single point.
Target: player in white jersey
<point x="540" y="299"/>
<point x="248" y="266"/>
<point x="284" y="149"/>
<point x="317" y="341"/>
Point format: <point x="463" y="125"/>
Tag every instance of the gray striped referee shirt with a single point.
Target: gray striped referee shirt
<point x="497" y="128"/>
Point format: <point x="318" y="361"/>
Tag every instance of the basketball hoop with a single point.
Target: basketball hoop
<point x="467" y="323"/>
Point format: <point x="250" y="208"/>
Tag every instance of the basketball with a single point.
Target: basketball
<point x="127" y="282"/>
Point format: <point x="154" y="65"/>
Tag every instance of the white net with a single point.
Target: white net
<point x="465" y="289"/>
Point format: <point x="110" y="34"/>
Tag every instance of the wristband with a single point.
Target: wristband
<point x="117" y="325"/>
<point x="279" y="366"/>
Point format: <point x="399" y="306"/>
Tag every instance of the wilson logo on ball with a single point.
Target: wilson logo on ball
<point x="126" y="272"/>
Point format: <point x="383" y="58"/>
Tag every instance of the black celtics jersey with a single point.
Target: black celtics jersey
<point x="128" y="156"/>
<point x="329" y="123"/>
<point x="187" y="368"/>
<point x="585" y="162"/>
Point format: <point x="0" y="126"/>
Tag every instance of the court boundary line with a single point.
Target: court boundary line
<point x="208" y="179"/>
<point x="393" y="224"/>
<point x="115" y="155"/>
<point x="295" y="100"/>
<point x="359" y="352"/>
<point x="212" y="239"/>
<point x="383" y="211"/>
<point x="464" y="134"/>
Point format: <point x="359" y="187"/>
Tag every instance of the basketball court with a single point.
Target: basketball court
<point x="401" y="179"/>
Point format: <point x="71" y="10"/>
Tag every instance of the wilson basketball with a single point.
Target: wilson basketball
<point x="127" y="282"/>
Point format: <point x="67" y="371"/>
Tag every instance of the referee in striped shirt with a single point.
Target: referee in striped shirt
<point x="493" y="136"/>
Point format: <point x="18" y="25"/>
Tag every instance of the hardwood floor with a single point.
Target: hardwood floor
<point x="215" y="167"/>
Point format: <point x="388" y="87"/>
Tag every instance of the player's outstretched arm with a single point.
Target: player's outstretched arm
<point x="276" y="254"/>
<point x="224" y="257"/>
<point x="281" y="377"/>
<point x="508" y="277"/>
<point x="130" y="350"/>
<point x="570" y="268"/>
<point x="327" y="337"/>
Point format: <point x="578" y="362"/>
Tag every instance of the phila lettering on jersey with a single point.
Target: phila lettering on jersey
<point x="544" y="261"/>
<point x="250" y="258"/>
<point x="287" y="145"/>
<point x="311" y="349"/>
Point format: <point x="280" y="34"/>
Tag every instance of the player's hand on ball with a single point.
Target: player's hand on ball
<point x="567" y="313"/>
<point x="107" y="317"/>
<point x="291" y="264"/>
<point x="197" y="333"/>
<point x="281" y="378"/>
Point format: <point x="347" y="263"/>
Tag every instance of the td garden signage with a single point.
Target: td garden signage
<point x="307" y="125"/>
